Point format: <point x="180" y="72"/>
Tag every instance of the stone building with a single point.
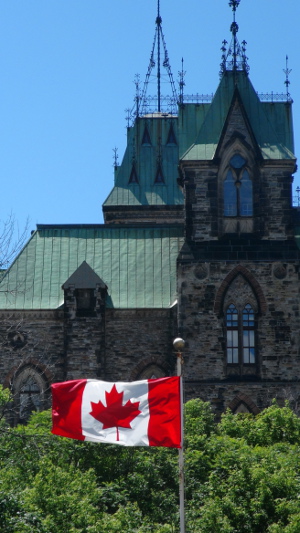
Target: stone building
<point x="199" y="240"/>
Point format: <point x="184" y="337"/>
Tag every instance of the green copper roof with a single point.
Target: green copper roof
<point x="138" y="265"/>
<point x="271" y="123"/>
<point x="152" y="143"/>
<point x="191" y="118"/>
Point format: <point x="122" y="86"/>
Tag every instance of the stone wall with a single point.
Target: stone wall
<point x="205" y="290"/>
<point x="32" y="338"/>
<point x="145" y="214"/>
<point x="118" y="345"/>
<point x="139" y="339"/>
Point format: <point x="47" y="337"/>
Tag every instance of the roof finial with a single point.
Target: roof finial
<point x="181" y="82"/>
<point x="234" y="29"/>
<point x="287" y="82"/>
<point x="116" y="157"/>
<point x="234" y="58"/>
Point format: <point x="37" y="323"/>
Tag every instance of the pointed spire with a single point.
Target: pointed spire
<point x="159" y="58"/>
<point x="234" y="57"/>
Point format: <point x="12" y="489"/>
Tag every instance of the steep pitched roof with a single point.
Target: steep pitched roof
<point x="148" y="145"/>
<point x="137" y="264"/>
<point x="266" y="121"/>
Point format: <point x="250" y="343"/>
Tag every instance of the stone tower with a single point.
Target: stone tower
<point x="238" y="271"/>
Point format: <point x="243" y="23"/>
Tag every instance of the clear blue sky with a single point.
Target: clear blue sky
<point x="67" y="69"/>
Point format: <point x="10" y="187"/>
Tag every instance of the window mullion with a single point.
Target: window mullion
<point x="241" y="340"/>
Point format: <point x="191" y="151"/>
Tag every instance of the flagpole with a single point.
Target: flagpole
<point x="179" y="345"/>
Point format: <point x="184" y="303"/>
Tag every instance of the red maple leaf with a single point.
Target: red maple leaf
<point x="114" y="414"/>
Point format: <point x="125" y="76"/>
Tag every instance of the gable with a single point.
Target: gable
<point x="237" y="129"/>
<point x="261" y="121"/>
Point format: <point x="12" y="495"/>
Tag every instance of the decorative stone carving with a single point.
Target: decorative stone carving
<point x="201" y="271"/>
<point x="279" y="271"/>
<point x="17" y="339"/>
<point x="240" y="293"/>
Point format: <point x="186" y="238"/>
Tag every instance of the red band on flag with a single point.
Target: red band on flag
<point x="66" y="408"/>
<point x="164" y="407"/>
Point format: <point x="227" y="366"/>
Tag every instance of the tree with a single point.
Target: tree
<point x="251" y="480"/>
<point x="12" y="240"/>
<point x="242" y="475"/>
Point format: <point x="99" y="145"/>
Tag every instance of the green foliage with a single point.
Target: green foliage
<point x="67" y="499"/>
<point x="242" y="476"/>
<point x="275" y="424"/>
<point x="5" y="399"/>
<point x="199" y="420"/>
<point x="5" y="396"/>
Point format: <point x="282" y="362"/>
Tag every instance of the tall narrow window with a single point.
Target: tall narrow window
<point x="238" y="189"/>
<point x="248" y="335"/>
<point x="240" y="335"/>
<point x="232" y="323"/>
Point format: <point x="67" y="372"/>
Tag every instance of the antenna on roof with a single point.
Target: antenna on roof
<point x="234" y="58"/>
<point x="159" y="41"/>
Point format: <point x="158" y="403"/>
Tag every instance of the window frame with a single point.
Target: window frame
<point x="85" y="302"/>
<point x="21" y="381"/>
<point x="241" y="325"/>
<point x="235" y="172"/>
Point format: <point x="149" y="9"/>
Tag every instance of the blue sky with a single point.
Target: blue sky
<point x="67" y="69"/>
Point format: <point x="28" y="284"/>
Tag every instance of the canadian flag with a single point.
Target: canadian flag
<point x="139" y="413"/>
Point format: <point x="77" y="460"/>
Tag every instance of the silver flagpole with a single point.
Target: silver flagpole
<point x="179" y="345"/>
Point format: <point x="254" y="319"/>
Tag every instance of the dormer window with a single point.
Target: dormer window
<point x="238" y="190"/>
<point x="85" y="302"/>
<point x="171" y="136"/>
<point x="159" y="177"/>
<point x="82" y="292"/>
<point x="146" y="139"/>
<point x="133" y="175"/>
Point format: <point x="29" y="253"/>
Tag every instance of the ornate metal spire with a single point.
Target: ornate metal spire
<point x="287" y="82"/>
<point x="181" y="82"/>
<point x="234" y="57"/>
<point x="158" y="103"/>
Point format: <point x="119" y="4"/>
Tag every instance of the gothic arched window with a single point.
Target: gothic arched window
<point x="29" y="389"/>
<point x="240" y="335"/>
<point x="30" y="397"/>
<point x="238" y="190"/>
<point x="152" y="372"/>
